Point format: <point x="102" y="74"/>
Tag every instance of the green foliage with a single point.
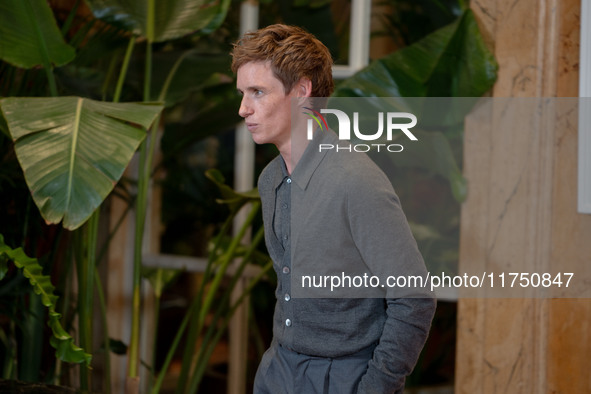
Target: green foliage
<point x="29" y="36"/>
<point x="3" y="265"/>
<point x="3" y="125"/>
<point x="411" y="20"/>
<point x="451" y="62"/>
<point x="61" y="340"/>
<point x="162" y="20"/>
<point x="73" y="150"/>
<point x="227" y="259"/>
<point x="235" y="200"/>
<point x="196" y="71"/>
<point x="159" y="278"/>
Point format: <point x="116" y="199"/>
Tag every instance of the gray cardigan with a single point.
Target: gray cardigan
<point x="344" y="220"/>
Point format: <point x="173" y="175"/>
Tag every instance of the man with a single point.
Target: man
<point x="328" y="211"/>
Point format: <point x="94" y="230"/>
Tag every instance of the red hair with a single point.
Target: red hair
<point x="292" y="53"/>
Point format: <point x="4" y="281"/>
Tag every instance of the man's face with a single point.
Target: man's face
<point x="265" y="107"/>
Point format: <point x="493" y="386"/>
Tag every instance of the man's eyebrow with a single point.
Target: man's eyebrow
<point x="252" y="88"/>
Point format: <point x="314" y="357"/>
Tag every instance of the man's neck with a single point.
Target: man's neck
<point x="292" y="153"/>
<point x="285" y="152"/>
<point x="293" y="148"/>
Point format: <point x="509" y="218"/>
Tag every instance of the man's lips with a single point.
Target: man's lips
<point x="251" y="126"/>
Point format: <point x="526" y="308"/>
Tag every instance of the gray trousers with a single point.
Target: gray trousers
<point x="283" y="371"/>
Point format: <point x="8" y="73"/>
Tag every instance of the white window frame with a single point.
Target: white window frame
<point x="358" y="41"/>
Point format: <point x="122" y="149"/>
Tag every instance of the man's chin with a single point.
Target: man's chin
<point x="258" y="139"/>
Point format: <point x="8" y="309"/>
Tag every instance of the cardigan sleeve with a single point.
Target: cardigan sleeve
<point x="383" y="237"/>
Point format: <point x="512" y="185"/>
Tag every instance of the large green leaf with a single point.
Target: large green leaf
<point x="73" y="150"/>
<point x="194" y="71"/>
<point x="234" y="199"/>
<point x="451" y="62"/>
<point x="29" y="35"/>
<point x="66" y="350"/>
<point x="204" y="115"/>
<point x="161" y="20"/>
<point x="3" y="125"/>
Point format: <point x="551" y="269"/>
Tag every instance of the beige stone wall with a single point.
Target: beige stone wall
<point x="521" y="206"/>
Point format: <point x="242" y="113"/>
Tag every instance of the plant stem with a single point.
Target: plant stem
<point x="150" y="20"/>
<point x="45" y="54"/>
<point x="124" y="68"/>
<point x="211" y="346"/>
<point x="228" y="256"/>
<point x="194" y="312"/>
<point x="177" y="339"/>
<point x="203" y="356"/>
<point x="141" y="203"/>
<point x="10" y="358"/>
<point x="104" y="248"/>
<point x="148" y="72"/>
<point x="32" y="330"/>
<point x="66" y="26"/>
<point x="170" y="76"/>
<point x="133" y="356"/>
<point x="86" y="270"/>
<point x="103" y="306"/>
<point x="155" y="338"/>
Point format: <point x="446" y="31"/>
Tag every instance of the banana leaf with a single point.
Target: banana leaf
<point x="29" y="36"/>
<point x="450" y="62"/>
<point x="162" y="20"/>
<point x="3" y="126"/>
<point x="196" y="70"/>
<point x="74" y="150"/>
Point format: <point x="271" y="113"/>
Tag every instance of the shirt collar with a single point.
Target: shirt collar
<point x="312" y="157"/>
<point x="278" y="173"/>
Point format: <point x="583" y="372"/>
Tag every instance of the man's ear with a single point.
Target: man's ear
<point x="304" y="88"/>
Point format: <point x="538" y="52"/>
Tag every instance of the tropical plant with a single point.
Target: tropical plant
<point x="212" y="299"/>
<point x="61" y="340"/>
<point x="73" y="150"/>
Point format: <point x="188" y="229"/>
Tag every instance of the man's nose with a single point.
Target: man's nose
<point x="245" y="109"/>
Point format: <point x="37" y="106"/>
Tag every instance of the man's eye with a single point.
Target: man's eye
<point x="258" y="92"/>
